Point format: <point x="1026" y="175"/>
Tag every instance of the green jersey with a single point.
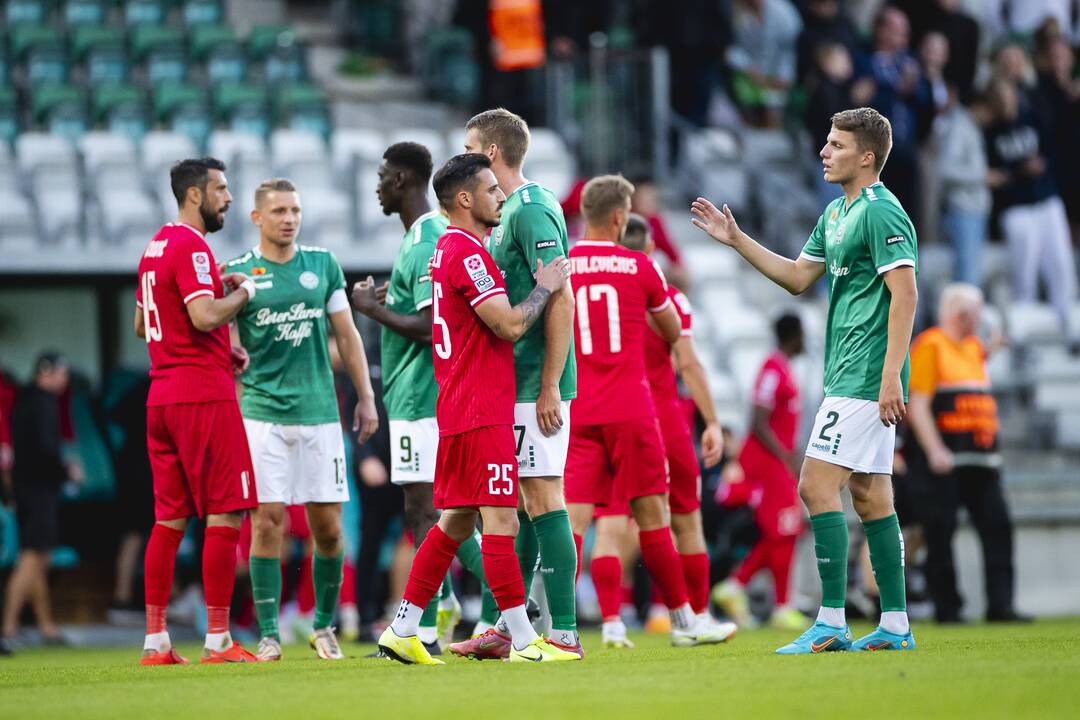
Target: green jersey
<point x="283" y="328"/>
<point x="533" y="228"/>
<point x="858" y="244"/>
<point x="409" y="388"/>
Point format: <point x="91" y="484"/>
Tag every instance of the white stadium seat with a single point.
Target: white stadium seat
<point x="102" y="150"/>
<point x="161" y="149"/>
<point x="350" y="144"/>
<point x="18" y="226"/>
<point x="33" y="150"/>
<point x="230" y="146"/>
<point x="1032" y="322"/>
<point x="128" y="218"/>
<point x="433" y="140"/>
<point x="291" y="146"/>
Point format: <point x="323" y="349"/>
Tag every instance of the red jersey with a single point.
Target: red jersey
<point x="658" y="354"/>
<point x="613" y="289"/>
<point x="186" y="365"/>
<point x="776" y="389"/>
<point x="474" y="367"/>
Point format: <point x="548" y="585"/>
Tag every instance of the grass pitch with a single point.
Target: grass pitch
<point x="979" y="671"/>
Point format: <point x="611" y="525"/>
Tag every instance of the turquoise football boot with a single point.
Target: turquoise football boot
<point x="819" y="638"/>
<point x="885" y="640"/>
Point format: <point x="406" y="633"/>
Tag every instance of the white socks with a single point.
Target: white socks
<point x="895" y="622"/>
<point x="427" y="635"/>
<point x="832" y="616"/>
<point x="682" y="618"/>
<point x="158" y="642"/>
<point x="521" y="630"/>
<point x="481" y="627"/>
<point x="502" y="626"/>
<point x="218" y="641"/>
<point x="407" y="620"/>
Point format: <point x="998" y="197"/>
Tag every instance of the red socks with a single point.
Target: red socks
<point x="219" y="575"/>
<point x="578" y="542"/>
<point x="348" y="583"/>
<point x="158" y="568"/>
<point x="696" y="572"/>
<point x="429" y="567"/>
<point x="662" y="562"/>
<point x="607" y="577"/>
<point x="502" y="571"/>
<point x="756" y="560"/>
<point x="781" y="553"/>
<point x="305" y="589"/>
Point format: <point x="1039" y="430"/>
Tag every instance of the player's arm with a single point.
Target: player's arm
<point x="904" y="297"/>
<point x="209" y="313"/>
<point x="351" y="348"/>
<point x="370" y="301"/>
<point x="795" y="276"/>
<point x="140" y="323"/>
<point x="558" y="330"/>
<point x="690" y="369"/>
<point x="667" y="322"/>
<point x="510" y="323"/>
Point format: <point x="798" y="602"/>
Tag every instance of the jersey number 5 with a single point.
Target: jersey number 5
<point x="442" y="348"/>
<point x="500" y="474"/>
<point x="151" y="317"/>
<point x="595" y="293"/>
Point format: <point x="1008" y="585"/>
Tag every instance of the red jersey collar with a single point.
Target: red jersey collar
<point x="463" y="231"/>
<point x="599" y="243"/>
<point x="183" y="224"/>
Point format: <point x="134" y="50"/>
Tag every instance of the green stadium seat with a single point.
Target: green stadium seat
<point x="204" y="38"/>
<point x="161" y="50"/>
<point x="203" y="12"/>
<point x="242" y="107"/>
<point x="60" y="110"/>
<point x="26" y="37"/>
<point x="85" y="12"/>
<point x="121" y="109"/>
<point x="35" y="12"/>
<point x="303" y="106"/>
<point x="46" y="64"/>
<point x="449" y="69"/>
<point x="144" y="12"/>
<point x="267" y="39"/>
<point x="85" y="38"/>
<point x="9" y="115"/>
<point x="106" y="65"/>
<point x="184" y="109"/>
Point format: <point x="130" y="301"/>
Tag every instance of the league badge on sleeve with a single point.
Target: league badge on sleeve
<point x="201" y="261"/>
<point x="474" y="265"/>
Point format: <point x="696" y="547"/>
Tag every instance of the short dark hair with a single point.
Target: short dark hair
<point x="190" y="173"/>
<point x="787" y="327"/>
<point x="458" y="172"/>
<point x="48" y="361"/>
<point x="637" y="233"/>
<point x="871" y="129"/>
<point x="412" y="157"/>
<point x="504" y="129"/>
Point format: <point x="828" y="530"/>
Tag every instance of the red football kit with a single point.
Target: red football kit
<point x="476" y="464"/>
<point x="616" y="452"/>
<point x="195" y="435"/>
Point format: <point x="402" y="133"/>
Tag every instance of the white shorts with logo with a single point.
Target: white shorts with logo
<point x="298" y="464"/>
<point x="848" y="432"/>
<point x="413" y="447"/>
<point x="538" y="455"/>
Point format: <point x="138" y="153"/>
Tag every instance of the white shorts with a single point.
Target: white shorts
<point x="298" y="464"/>
<point x="848" y="432"/>
<point x="413" y="447"/>
<point x="540" y="456"/>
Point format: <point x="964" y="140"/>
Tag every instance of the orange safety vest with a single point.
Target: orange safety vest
<point x="517" y="34"/>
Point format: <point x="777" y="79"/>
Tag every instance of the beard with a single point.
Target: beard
<point x="213" y="220"/>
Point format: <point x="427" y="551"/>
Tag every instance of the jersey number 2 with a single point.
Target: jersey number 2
<point x="595" y="293"/>
<point x="151" y="316"/>
<point x="442" y="348"/>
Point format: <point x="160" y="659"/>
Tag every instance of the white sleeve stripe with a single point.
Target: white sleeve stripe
<point x="661" y="307"/>
<point x="138" y="304"/>
<point x="811" y="258"/>
<point x="893" y="265"/>
<point x="337" y="302"/>
<point x="485" y="295"/>
<point x="423" y="304"/>
<point x="196" y="294"/>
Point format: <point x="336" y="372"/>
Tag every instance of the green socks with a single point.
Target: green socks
<point x="527" y="550"/>
<point x="831" y="549"/>
<point x="886" y="545"/>
<point x="558" y="567"/>
<point x="472" y="558"/>
<point x="266" y="593"/>
<point x="326" y="576"/>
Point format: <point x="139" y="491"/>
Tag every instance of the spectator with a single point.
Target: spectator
<point x="962" y="169"/>
<point x="1059" y="100"/>
<point x="931" y="100"/>
<point x="39" y="473"/>
<point x="1032" y="214"/>
<point x="897" y="76"/>
<point x="962" y="33"/>
<point x="823" y="24"/>
<point x="955" y="458"/>
<point x="1012" y="64"/>
<point x="762" y="54"/>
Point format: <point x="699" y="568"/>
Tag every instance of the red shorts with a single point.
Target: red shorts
<point x="779" y="512"/>
<point x="614" y="463"/>
<point x="477" y="468"/>
<point x="200" y="459"/>
<point x="682" y="459"/>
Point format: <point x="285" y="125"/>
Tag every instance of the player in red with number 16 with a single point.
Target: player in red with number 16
<point x="473" y="328"/>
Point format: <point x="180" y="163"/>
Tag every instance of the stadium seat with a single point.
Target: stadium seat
<point x="128" y="218"/>
<point x="289" y="146"/>
<point x="326" y="218"/>
<point x="1057" y="393"/>
<point x="9" y="116"/>
<point x="356" y="154"/>
<point x="34" y="12"/>
<point x="242" y="107"/>
<point x="60" y="109"/>
<point x="348" y="145"/>
<point x="448" y="68"/>
<point x="281" y="55"/>
<point x="433" y="140"/>
<point x="1032" y="323"/>
<point x="184" y="109"/>
<point x="711" y="263"/>
<point x="549" y="161"/>
<point x="144" y="12"/>
<point x="203" y="12"/>
<point x="106" y="65"/>
<point x="232" y="146"/>
<point x="1067" y="423"/>
<point x="161" y="50"/>
<point x="204" y="38"/>
<point x="84" y="12"/>
<point x="109" y="160"/>
<point x="40" y="50"/>
<point x="745" y="359"/>
<point x="121" y="109"/>
<point x="159" y="150"/>
<point x="49" y="168"/>
<point x="18" y="231"/>
<point x="246" y="158"/>
<point x="710" y="165"/>
<point x="302" y="106"/>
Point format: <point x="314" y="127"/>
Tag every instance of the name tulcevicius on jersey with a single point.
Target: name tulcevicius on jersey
<point x="289" y="380"/>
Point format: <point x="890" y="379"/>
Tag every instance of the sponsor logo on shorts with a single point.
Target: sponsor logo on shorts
<point x="309" y="280"/>
<point x="894" y="239"/>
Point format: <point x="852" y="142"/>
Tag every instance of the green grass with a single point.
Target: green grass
<point x="980" y="671"/>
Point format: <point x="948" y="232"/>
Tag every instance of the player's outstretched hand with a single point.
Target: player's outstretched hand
<point x="719" y="224"/>
<point x="364" y="297"/>
<point x="891" y="406"/>
<point x="549" y="411"/>
<point x="240" y="360"/>
<point x="554" y="275"/>
<point x="712" y="445"/>
<point x="365" y="419"/>
<point x="233" y="281"/>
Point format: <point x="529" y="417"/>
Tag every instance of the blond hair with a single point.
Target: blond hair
<point x="506" y="130"/>
<point x="871" y="129"/>
<point x="603" y="195"/>
<point x="272" y="185"/>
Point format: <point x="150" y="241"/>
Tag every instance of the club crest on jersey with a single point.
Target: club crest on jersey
<point x="258" y="271"/>
<point x="832" y="217"/>
<point x="309" y="280"/>
<point x="474" y="265"/>
<point x="837" y="235"/>
<point x="201" y="261"/>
